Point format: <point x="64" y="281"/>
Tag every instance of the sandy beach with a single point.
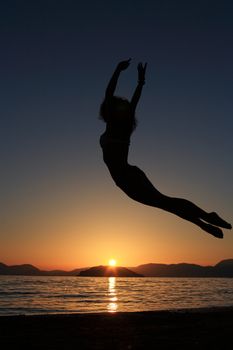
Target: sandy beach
<point x="182" y="329"/>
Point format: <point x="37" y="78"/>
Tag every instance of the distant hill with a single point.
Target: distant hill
<point x="25" y="269"/>
<point x="222" y="269"/>
<point x="225" y="264"/>
<point x="30" y="270"/>
<point x="107" y="271"/>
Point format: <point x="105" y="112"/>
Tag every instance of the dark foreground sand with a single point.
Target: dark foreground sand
<point x="184" y="329"/>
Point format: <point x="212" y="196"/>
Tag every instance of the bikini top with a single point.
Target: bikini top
<point x="115" y="151"/>
<point x="106" y="141"/>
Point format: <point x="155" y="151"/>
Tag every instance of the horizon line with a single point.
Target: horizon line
<point x="117" y="266"/>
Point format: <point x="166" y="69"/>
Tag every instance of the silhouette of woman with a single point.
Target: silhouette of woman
<point x="119" y="115"/>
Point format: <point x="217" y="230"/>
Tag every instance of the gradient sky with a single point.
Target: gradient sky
<point x="59" y="206"/>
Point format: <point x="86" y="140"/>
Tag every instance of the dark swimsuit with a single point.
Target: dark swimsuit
<point x="129" y="178"/>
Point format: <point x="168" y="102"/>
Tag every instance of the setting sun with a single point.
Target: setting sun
<point x="112" y="262"/>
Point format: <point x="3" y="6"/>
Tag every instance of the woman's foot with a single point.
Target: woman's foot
<point x="213" y="230"/>
<point x="214" y="219"/>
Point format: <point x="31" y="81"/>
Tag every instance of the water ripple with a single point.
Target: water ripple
<point x="44" y="295"/>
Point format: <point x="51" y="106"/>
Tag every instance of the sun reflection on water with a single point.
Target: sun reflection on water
<point x="112" y="294"/>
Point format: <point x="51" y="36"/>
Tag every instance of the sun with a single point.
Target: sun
<point x="112" y="262"/>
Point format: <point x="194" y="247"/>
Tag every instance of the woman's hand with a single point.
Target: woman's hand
<point x="113" y="81"/>
<point x="123" y="64"/>
<point x="141" y="72"/>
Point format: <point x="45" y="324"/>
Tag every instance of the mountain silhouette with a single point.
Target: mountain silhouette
<point x="30" y="270"/>
<point x="222" y="269"/>
<point x="108" y="271"/>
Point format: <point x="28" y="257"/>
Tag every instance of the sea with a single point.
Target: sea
<point x="30" y="295"/>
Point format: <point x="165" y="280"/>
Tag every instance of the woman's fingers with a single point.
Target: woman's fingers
<point x="141" y="68"/>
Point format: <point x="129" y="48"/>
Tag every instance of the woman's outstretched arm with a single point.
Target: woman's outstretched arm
<point x="138" y="90"/>
<point x="113" y="81"/>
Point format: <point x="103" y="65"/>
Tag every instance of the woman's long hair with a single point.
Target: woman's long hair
<point x="117" y="111"/>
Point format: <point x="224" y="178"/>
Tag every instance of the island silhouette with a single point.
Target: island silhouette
<point x="109" y="271"/>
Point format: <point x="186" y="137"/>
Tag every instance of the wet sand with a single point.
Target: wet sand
<point x="181" y="329"/>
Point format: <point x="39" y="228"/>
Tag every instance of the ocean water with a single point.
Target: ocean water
<point x="48" y="295"/>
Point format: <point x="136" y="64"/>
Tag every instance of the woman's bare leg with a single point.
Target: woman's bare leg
<point x="190" y="212"/>
<point x="185" y="208"/>
<point x="138" y="187"/>
<point x="213" y="230"/>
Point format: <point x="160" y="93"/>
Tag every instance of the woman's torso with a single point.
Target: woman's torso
<point x="115" y="149"/>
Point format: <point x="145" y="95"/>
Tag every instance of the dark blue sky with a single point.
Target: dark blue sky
<point x="56" y="59"/>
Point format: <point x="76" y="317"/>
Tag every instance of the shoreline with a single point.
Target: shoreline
<point x="183" y="328"/>
<point x="206" y="309"/>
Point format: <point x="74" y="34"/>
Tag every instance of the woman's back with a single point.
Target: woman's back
<point x="115" y="149"/>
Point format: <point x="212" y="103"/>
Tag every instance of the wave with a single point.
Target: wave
<point x="99" y="295"/>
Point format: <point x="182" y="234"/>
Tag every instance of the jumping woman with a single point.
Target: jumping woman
<point x="119" y="115"/>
